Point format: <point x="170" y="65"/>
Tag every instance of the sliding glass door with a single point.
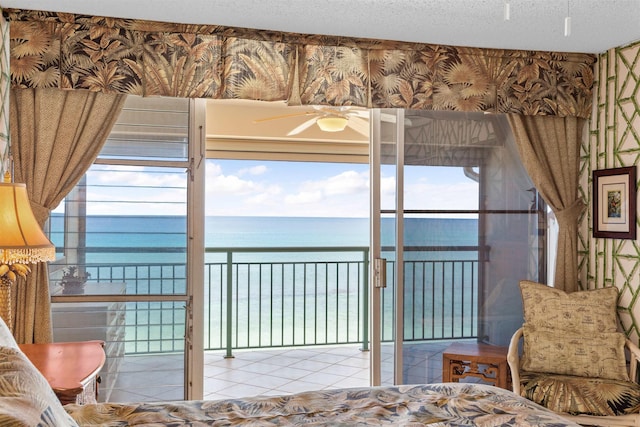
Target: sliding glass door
<point x="459" y="224"/>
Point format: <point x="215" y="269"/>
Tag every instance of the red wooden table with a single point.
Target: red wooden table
<point x="71" y="368"/>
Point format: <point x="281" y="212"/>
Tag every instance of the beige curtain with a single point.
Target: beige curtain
<point x="550" y="151"/>
<point x="55" y="137"/>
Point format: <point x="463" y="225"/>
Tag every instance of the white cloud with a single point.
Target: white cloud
<point x="265" y="190"/>
<point x="348" y="182"/>
<point x="138" y="177"/>
<point x="303" y="198"/>
<point x="217" y="183"/>
<point x="255" y="170"/>
<point x="234" y="195"/>
<point x="269" y="195"/>
<point x="446" y="196"/>
<point x="136" y="190"/>
<point x="345" y="194"/>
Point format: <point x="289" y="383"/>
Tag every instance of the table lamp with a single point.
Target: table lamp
<point x="22" y="241"/>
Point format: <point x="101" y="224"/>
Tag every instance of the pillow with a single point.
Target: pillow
<point x="581" y="312"/>
<point x="601" y="355"/>
<point x="26" y="399"/>
<point x="6" y="337"/>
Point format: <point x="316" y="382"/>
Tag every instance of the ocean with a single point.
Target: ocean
<point x="306" y="297"/>
<point x="154" y="232"/>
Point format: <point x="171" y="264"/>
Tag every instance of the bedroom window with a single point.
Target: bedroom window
<point x="121" y="233"/>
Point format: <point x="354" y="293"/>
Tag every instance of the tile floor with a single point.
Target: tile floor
<point x="270" y="371"/>
<point x="283" y="371"/>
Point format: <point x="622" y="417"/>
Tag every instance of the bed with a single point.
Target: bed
<point x="449" y="404"/>
<point x="27" y="400"/>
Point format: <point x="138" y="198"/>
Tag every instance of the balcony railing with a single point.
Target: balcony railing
<point x="281" y="297"/>
<point x="277" y="297"/>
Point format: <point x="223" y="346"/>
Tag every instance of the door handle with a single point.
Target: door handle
<point x="380" y="272"/>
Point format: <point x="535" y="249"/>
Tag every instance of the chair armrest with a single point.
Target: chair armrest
<point x="634" y="358"/>
<point x="513" y="358"/>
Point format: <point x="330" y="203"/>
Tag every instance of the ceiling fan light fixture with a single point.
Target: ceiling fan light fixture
<point x="332" y="123"/>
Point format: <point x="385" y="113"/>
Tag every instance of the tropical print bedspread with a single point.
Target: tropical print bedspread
<point x="451" y="404"/>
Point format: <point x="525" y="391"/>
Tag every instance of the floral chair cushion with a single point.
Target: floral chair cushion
<point x="579" y="395"/>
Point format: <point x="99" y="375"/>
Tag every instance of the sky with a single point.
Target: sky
<point x="273" y="188"/>
<point x="263" y="188"/>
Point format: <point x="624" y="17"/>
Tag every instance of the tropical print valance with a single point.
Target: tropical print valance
<point x="146" y="58"/>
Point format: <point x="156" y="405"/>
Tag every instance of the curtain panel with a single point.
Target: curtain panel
<point x="56" y="135"/>
<point x="147" y="58"/>
<point x="549" y="149"/>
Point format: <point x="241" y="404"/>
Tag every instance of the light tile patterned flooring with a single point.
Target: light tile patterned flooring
<point x="271" y="371"/>
<point x="284" y="371"/>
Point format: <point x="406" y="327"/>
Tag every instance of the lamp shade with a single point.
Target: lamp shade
<point x="332" y="123"/>
<point x="21" y="238"/>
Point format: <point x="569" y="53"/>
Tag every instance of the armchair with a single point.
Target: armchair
<point x="568" y="356"/>
<point x="525" y="384"/>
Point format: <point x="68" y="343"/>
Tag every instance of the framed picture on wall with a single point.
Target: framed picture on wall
<point x="614" y="203"/>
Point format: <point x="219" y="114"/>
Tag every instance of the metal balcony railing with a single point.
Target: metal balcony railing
<point x="297" y="296"/>
<point x="281" y="297"/>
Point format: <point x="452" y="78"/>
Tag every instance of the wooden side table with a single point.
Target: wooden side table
<point x="71" y="368"/>
<point x="483" y="361"/>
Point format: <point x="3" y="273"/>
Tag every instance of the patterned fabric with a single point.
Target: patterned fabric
<point x="452" y="404"/>
<point x="6" y="337"/>
<point x="26" y="399"/>
<point x="572" y="333"/>
<point x="602" y="355"/>
<point x="69" y="51"/>
<point x="579" y="395"/>
<point x="583" y="311"/>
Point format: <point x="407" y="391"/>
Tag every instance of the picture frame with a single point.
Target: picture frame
<point x="614" y="203"/>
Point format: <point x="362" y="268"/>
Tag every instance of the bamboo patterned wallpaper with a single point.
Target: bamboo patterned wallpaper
<point x="614" y="141"/>
<point x="146" y="58"/>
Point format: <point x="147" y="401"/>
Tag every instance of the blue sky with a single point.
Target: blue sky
<point x="271" y="188"/>
<point x="262" y="188"/>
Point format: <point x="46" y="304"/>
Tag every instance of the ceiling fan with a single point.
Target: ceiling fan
<point x="329" y="119"/>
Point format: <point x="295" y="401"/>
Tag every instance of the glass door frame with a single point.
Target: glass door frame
<point x="376" y="211"/>
<point x="374" y="248"/>
<point x="194" y="324"/>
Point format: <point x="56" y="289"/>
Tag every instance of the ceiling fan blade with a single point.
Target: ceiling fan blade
<point x="333" y="111"/>
<point x="359" y="125"/>
<point x="302" y="127"/>
<point x="359" y="113"/>
<point x="284" y="116"/>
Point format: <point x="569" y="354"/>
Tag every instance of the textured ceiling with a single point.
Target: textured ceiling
<point x="596" y="25"/>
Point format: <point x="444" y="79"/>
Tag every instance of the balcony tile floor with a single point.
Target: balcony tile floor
<point x="272" y="371"/>
<point x="284" y="371"/>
